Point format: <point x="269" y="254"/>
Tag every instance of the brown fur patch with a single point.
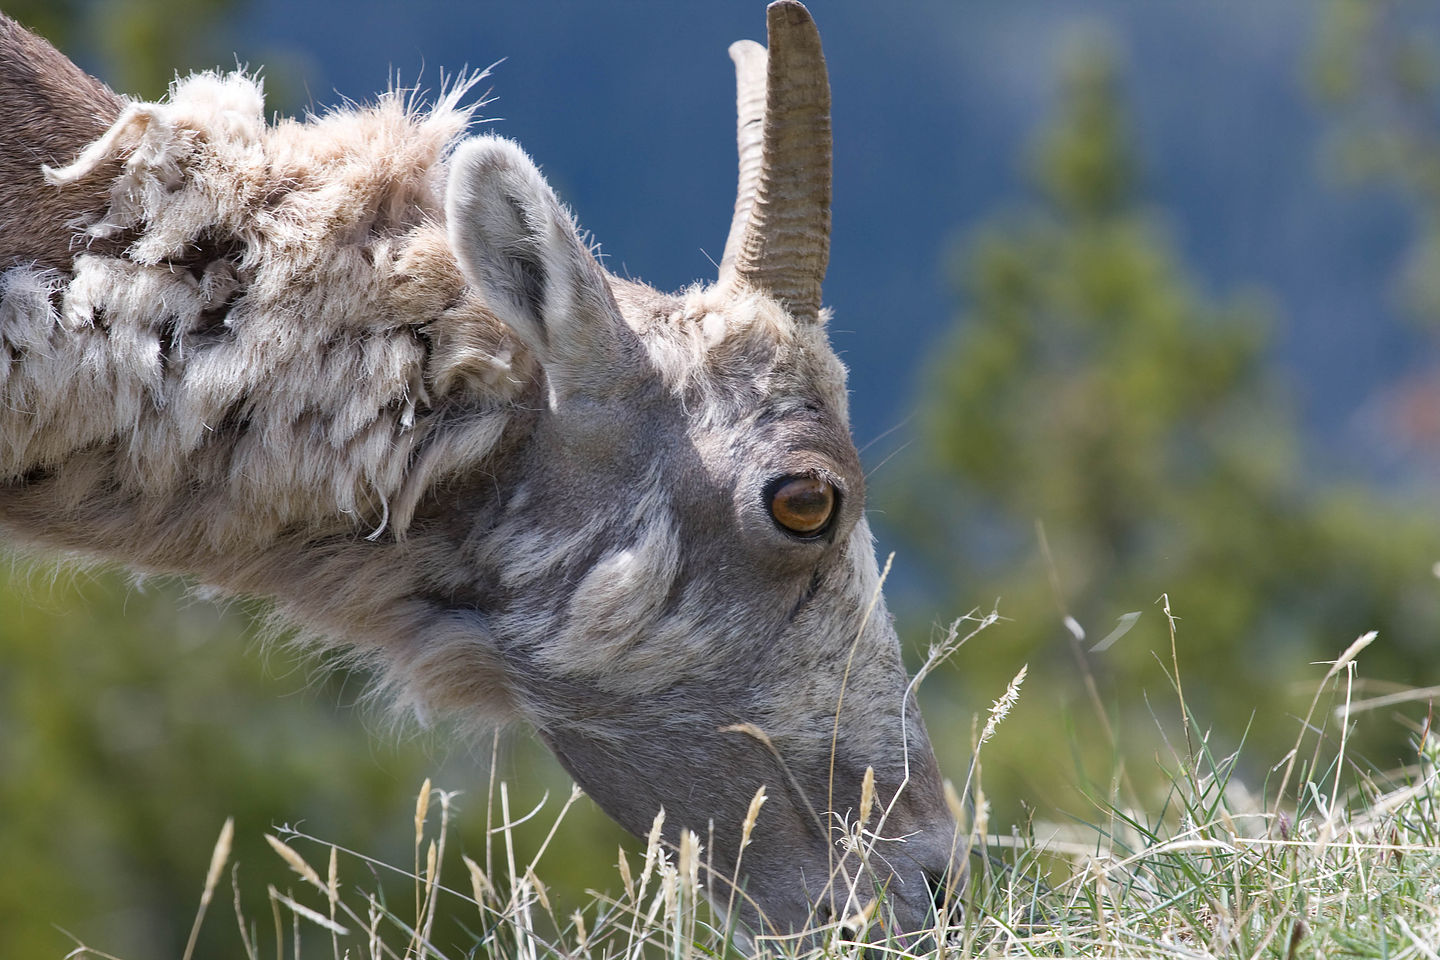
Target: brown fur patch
<point x="51" y="107"/>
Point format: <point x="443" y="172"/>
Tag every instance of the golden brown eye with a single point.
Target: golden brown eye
<point x="802" y="505"/>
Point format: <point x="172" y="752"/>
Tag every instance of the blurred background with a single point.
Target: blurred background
<point x="1137" y="299"/>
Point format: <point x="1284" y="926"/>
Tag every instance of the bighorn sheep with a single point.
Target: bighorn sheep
<point x="377" y="377"/>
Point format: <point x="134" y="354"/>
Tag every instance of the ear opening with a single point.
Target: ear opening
<point x="519" y="248"/>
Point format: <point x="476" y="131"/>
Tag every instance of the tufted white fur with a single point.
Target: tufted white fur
<point x="330" y="228"/>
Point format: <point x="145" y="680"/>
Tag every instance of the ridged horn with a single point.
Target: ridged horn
<point x="749" y="58"/>
<point x="779" y="239"/>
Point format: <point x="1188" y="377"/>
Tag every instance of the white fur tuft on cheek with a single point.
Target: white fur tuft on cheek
<point x="616" y="604"/>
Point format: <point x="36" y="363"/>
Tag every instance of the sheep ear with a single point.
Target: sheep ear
<point x="519" y="248"/>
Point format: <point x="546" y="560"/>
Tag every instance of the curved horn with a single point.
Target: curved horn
<point x="749" y="59"/>
<point x="780" y="239"/>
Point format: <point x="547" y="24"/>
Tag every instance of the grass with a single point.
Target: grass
<point x="1326" y="858"/>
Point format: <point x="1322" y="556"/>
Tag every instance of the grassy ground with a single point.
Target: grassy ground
<point x="1326" y="858"/>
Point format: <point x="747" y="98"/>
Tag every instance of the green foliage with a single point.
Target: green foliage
<point x="114" y="763"/>
<point x="141" y="43"/>
<point x="55" y="20"/>
<point x="146" y="42"/>
<point x="1098" y="432"/>
<point x="139" y="46"/>
<point x="134" y="721"/>
<point x="1377" y="66"/>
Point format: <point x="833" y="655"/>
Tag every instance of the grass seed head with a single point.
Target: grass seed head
<point x="867" y="797"/>
<point x="653" y="852"/>
<point x="332" y="884"/>
<point x="1351" y="652"/>
<point x="751" y="815"/>
<point x="626" y="878"/>
<point x="689" y="860"/>
<point x="422" y="807"/>
<point x="218" y="858"/>
<point x="296" y="862"/>
<point x="480" y="886"/>
<point x="541" y="894"/>
<point x="1001" y="708"/>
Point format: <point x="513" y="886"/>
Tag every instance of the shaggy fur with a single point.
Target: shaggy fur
<point x="343" y="365"/>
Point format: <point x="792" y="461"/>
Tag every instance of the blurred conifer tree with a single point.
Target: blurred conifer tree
<point x="1093" y="398"/>
<point x="138" y="45"/>
<point x="1376" y="66"/>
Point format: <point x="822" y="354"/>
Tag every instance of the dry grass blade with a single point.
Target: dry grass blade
<point x="1346" y="658"/>
<point x="1417" y="695"/>
<point x="300" y="910"/>
<point x="761" y="737"/>
<point x="84" y="951"/>
<point x="422" y="809"/>
<point x="218" y="858"/>
<point x="297" y="863"/>
<point x="480" y="886"/>
<point x="575" y="794"/>
<point x="1351" y="652"/>
<point x="332" y="894"/>
<point x="1185" y="724"/>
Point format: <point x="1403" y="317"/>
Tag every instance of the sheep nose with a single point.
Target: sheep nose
<point x="929" y="899"/>
<point x="945" y="893"/>
<point x="945" y="871"/>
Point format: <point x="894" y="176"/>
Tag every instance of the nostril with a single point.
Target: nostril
<point x="944" y="893"/>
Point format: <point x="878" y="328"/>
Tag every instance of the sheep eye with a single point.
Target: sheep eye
<point x="802" y="505"/>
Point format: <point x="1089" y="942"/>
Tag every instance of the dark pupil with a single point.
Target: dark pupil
<point x="803" y="504"/>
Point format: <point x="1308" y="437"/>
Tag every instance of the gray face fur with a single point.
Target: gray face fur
<point x="398" y="395"/>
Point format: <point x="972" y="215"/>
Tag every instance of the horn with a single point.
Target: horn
<point x="749" y="59"/>
<point x="779" y="239"/>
